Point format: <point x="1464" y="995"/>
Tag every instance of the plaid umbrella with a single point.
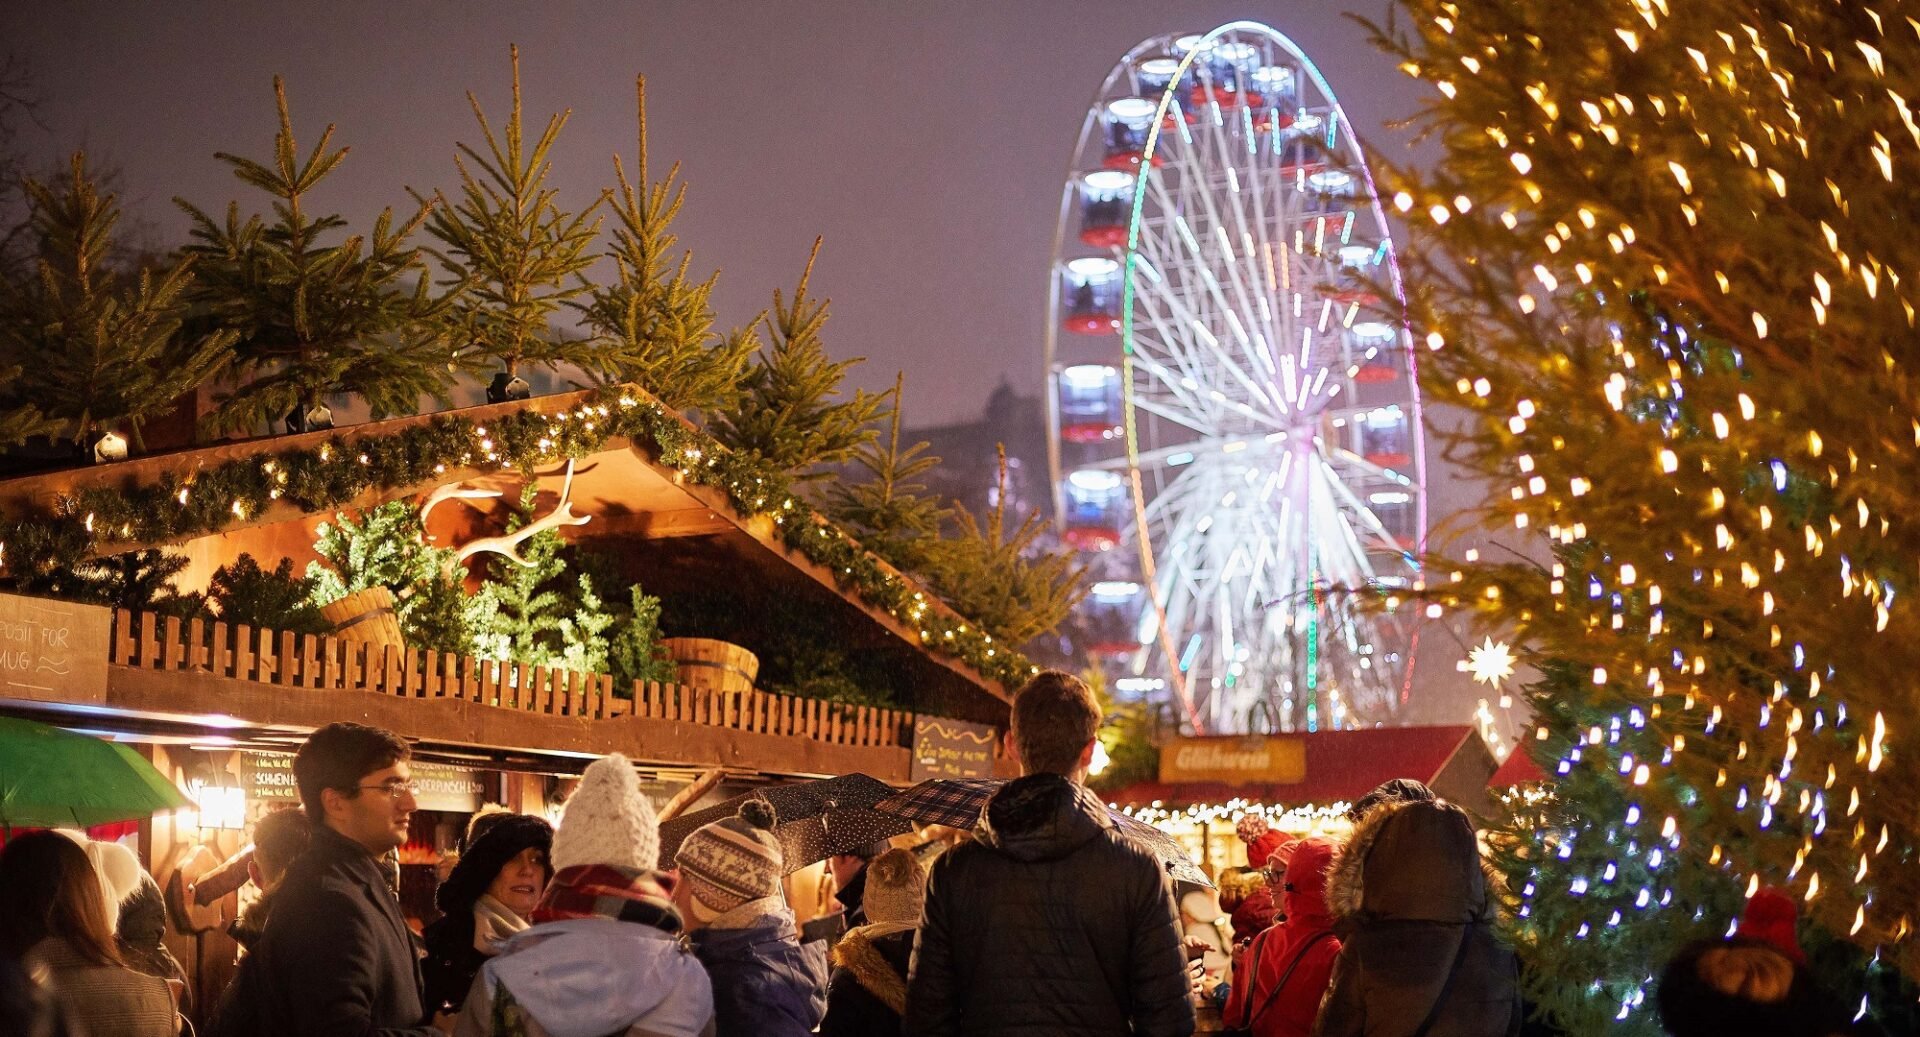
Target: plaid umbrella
<point x="957" y="802"/>
<point x="813" y="819"/>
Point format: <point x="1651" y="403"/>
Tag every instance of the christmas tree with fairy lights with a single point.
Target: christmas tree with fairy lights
<point x="1666" y="262"/>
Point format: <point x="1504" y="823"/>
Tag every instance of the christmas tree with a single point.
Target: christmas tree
<point x="277" y="599"/>
<point x="1003" y="578"/>
<point x="888" y="510"/>
<point x="315" y="316"/>
<point x="791" y="415"/>
<point x="97" y="349"/>
<point x="543" y="615"/>
<point x="655" y="321"/>
<point x="513" y="251"/>
<point x="1660" y="262"/>
<point x="387" y="547"/>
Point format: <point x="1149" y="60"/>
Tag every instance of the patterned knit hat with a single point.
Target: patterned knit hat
<point x="731" y="861"/>
<point x="608" y="821"/>
<point x="896" y="888"/>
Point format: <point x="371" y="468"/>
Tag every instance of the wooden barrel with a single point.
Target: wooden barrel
<point x="365" y="615"/>
<point x="713" y="665"/>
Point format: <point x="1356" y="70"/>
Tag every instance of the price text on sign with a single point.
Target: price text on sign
<point x="945" y="748"/>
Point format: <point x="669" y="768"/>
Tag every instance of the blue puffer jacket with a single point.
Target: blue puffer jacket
<point x="765" y="982"/>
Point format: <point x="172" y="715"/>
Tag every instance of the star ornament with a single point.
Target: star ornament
<point x="1490" y="662"/>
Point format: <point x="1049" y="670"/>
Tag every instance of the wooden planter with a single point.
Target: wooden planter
<point x="365" y="615"/>
<point x="712" y="665"/>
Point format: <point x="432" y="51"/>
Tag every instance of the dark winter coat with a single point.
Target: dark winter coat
<point x="1050" y="922"/>
<point x="868" y="992"/>
<point x="766" y="983"/>
<point x="451" y="963"/>
<point x="1413" y="905"/>
<point x="336" y="959"/>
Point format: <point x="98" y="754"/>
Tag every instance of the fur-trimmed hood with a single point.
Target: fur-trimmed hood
<point x="867" y="954"/>
<point x="1411" y="861"/>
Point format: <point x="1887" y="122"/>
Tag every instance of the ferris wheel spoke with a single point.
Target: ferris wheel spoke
<point x="1192" y="357"/>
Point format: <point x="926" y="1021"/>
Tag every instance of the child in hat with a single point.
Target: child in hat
<point x="603" y="955"/>
<point x="766" y="982"/>
<point x="868" y="992"/>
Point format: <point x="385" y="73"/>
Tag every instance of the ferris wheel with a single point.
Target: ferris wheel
<point x="1235" y="429"/>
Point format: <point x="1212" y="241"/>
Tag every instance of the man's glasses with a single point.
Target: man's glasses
<point x="395" y="789"/>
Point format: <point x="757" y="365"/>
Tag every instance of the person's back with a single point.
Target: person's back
<point x="1050" y="922"/>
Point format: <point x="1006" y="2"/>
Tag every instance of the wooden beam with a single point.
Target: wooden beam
<point x="658" y="525"/>
<point x="454" y="722"/>
<point x="691" y="794"/>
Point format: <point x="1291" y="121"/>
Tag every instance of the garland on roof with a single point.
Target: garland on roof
<point x="101" y="520"/>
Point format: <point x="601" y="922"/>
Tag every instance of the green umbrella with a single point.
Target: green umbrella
<point x="50" y="777"/>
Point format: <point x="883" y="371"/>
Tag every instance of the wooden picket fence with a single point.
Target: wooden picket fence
<point x="145" y="640"/>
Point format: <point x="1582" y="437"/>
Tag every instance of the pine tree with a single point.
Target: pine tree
<point x="889" y="511"/>
<point x="655" y="321"/>
<point x="792" y="416"/>
<point x="1000" y="578"/>
<point x="314" y="320"/>
<point x="542" y="614"/>
<point x="96" y="348"/>
<point x="137" y="581"/>
<point x="513" y="250"/>
<point x="387" y="547"/>
<point x="243" y="592"/>
<point x="1660" y="260"/>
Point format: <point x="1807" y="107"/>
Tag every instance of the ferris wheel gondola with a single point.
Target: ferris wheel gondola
<point x="1236" y="427"/>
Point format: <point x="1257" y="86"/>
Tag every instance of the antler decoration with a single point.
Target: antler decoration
<point x="451" y="491"/>
<point x="508" y="545"/>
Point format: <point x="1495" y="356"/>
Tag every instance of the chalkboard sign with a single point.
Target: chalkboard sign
<point x="945" y="748"/>
<point x="53" y="650"/>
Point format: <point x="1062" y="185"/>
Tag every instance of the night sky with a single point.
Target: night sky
<point x="927" y="143"/>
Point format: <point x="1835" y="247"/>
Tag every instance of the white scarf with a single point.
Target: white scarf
<point x="493" y="922"/>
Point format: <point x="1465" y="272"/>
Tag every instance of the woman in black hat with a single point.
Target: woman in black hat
<point x="489" y="896"/>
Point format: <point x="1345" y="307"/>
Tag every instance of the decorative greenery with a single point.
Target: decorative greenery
<point x="889" y="511"/>
<point x="511" y="249"/>
<point x="791" y="416"/>
<point x="312" y="319"/>
<point x="1127" y="735"/>
<point x="536" y="615"/>
<point x="999" y="577"/>
<point x="655" y="321"/>
<point x="278" y="600"/>
<point x="803" y="650"/>
<point x="174" y="507"/>
<point x="136" y="581"/>
<point x="95" y="350"/>
<point x="387" y="547"/>
<point x="1660" y="261"/>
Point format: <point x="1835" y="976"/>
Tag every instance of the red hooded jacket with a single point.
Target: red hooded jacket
<point x="1304" y="942"/>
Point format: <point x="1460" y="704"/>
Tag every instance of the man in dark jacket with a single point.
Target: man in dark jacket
<point x="1050" y="921"/>
<point x="336" y="958"/>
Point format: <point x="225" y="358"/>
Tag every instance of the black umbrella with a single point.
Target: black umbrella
<point x="813" y="819"/>
<point x="957" y="802"/>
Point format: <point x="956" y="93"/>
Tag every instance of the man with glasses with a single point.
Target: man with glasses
<point x="336" y="957"/>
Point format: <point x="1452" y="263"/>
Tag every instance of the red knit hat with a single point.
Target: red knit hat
<point x="1770" y="917"/>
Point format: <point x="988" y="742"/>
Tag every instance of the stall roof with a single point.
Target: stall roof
<point x="1519" y="769"/>
<point x="1342" y="766"/>
<point x="674" y="535"/>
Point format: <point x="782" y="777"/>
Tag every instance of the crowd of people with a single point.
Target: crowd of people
<point x="1044" y="919"/>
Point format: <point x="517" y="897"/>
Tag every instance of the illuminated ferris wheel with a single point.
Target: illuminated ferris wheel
<point x="1235" y="429"/>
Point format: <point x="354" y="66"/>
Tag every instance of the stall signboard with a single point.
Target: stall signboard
<point x="53" y="649"/>
<point x="1272" y="760"/>
<point x="447" y="788"/>
<point x="945" y="748"/>
<point x="268" y="777"/>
